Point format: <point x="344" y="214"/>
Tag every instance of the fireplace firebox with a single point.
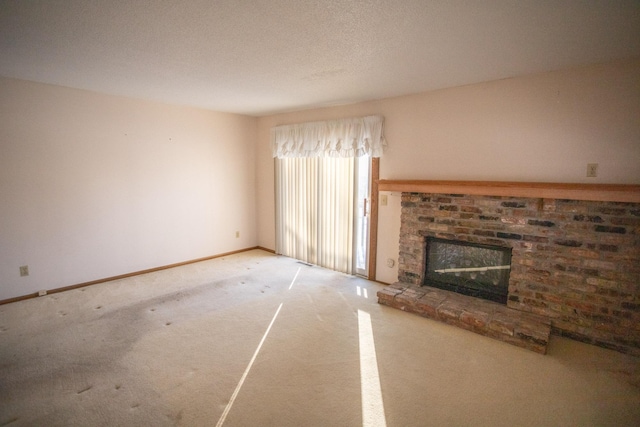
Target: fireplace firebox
<point x="477" y="270"/>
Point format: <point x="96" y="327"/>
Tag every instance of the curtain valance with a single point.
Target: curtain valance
<point x="354" y="137"/>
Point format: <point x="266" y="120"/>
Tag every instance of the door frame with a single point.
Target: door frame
<point x="373" y="217"/>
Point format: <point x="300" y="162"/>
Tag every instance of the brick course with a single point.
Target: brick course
<point x="576" y="263"/>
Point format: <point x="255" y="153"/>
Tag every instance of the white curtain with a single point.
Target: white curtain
<point x="354" y="137"/>
<point x="316" y="186"/>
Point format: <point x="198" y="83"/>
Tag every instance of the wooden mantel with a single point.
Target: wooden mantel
<point x="543" y="190"/>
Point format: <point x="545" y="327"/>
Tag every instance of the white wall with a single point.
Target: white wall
<point x="388" y="237"/>
<point x="93" y="186"/>
<point x="543" y="127"/>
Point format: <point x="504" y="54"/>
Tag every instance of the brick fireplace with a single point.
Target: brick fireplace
<point x="574" y="263"/>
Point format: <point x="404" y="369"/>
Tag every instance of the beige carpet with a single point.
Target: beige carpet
<point x="175" y="348"/>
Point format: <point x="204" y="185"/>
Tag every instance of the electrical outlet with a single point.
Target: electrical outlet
<point x="384" y="200"/>
<point x="24" y="270"/>
<point x="592" y="170"/>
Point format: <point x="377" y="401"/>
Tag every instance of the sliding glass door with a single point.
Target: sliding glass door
<point x="324" y="172"/>
<point x="362" y="218"/>
<point x="314" y="210"/>
<point x="322" y="211"/>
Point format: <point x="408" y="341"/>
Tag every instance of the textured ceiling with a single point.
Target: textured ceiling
<point x="260" y="57"/>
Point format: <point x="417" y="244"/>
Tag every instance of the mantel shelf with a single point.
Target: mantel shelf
<point x="544" y="190"/>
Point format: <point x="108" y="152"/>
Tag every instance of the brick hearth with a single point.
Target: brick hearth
<point x="574" y="263"/>
<point x="483" y="317"/>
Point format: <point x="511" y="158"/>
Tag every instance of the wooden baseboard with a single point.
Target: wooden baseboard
<point x="124" y="276"/>
<point x="265" y="249"/>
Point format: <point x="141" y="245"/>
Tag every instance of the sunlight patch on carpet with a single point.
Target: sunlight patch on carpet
<point x="372" y="404"/>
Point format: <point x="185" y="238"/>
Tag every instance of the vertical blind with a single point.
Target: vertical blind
<point x="315" y="171"/>
<point x="315" y="209"/>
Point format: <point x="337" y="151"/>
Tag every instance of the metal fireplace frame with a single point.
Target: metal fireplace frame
<point x="468" y="279"/>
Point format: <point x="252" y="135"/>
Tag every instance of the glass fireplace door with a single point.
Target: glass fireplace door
<point x="472" y="269"/>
